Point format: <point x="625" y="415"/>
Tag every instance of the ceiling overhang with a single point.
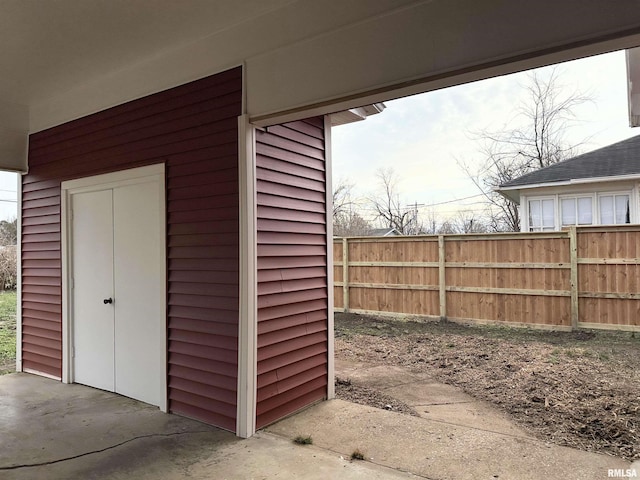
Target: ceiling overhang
<point x="64" y="60"/>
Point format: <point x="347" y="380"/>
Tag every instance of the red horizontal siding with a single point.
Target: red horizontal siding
<point x="289" y="192"/>
<point x="41" y="267"/>
<point x="292" y="269"/>
<point x="193" y="130"/>
<point x="162" y="101"/>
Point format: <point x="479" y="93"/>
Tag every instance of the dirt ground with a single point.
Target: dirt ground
<point x="580" y="389"/>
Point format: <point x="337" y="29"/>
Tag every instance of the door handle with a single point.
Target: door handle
<point x="107" y="301"/>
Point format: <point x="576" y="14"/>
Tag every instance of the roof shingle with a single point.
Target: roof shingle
<point x="621" y="158"/>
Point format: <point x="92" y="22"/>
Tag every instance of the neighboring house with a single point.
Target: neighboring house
<point x="383" y="232"/>
<point x="597" y="188"/>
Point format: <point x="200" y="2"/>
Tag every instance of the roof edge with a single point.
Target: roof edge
<point x="513" y="192"/>
<point x="575" y="181"/>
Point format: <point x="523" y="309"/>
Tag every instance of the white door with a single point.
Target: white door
<point x="92" y="283"/>
<point x="117" y="298"/>
<point x="138" y="295"/>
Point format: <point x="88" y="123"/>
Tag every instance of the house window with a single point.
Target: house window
<point x="541" y="215"/>
<point x="576" y="211"/>
<point x="614" y="209"/>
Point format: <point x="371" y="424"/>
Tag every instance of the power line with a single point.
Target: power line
<point x="468" y="207"/>
<point x="469" y="210"/>
<point x="420" y="205"/>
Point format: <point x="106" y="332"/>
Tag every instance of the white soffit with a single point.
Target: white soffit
<point x="65" y="59"/>
<point x="50" y="47"/>
<point x="147" y="60"/>
<point x="54" y="48"/>
<point x="303" y="53"/>
<point x="92" y="55"/>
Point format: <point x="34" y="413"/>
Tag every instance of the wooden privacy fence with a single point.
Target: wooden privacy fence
<point x="585" y="277"/>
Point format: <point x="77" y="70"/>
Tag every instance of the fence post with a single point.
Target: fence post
<point x="573" y="253"/>
<point x="345" y="275"/>
<point x="442" y="284"/>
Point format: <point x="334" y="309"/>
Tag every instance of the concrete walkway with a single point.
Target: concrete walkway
<point x="457" y="437"/>
<point x="431" y="399"/>
<point x="53" y="431"/>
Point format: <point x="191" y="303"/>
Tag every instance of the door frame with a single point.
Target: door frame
<point x="151" y="173"/>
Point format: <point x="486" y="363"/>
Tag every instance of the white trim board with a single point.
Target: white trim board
<point x="152" y="173"/>
<point x="331" y="386"/>
<point x="248" y="310"/>
<point x="19" y="279"/>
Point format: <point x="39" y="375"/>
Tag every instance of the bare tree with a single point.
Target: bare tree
<point x="467" y="221"/>
<point x="498" y="169"/>
<point x="388" y="205"/>
<point x="8" y="258"/>
<point x="464" y="221"/>
<point x="430" y="222"/>
<point x="350" y="224"/>
<point x="8" y="267"/>
<point x="347" y="222"/>
<point x="8" y="232"/>
<point x="547" y="115"/>
<point x="342" y="201"/>
<point x="447" y="227"/>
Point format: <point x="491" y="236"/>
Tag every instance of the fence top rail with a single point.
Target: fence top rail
<point x="493" y="265"/>
<point x="457" y="236"/>
<point x="494" y="236"/>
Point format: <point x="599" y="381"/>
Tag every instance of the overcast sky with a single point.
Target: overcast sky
<point x="424" y="136"/>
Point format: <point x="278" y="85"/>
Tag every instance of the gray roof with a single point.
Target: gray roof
<point x="622" y="158"/>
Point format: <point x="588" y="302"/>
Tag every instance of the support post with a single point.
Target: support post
<point x="573" y="254"/>
<point x="345" y="275"/>
<point x="19" y="277"/>
<point x="442" y="283"/>
<point x="331" y="375"/>
<point x="248" y="311"/>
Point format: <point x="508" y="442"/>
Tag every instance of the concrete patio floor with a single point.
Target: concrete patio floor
<point x="54" y="431"/>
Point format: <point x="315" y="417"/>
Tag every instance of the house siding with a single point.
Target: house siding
<point x="292" y="268"/>
<point x="193" y="130"/>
